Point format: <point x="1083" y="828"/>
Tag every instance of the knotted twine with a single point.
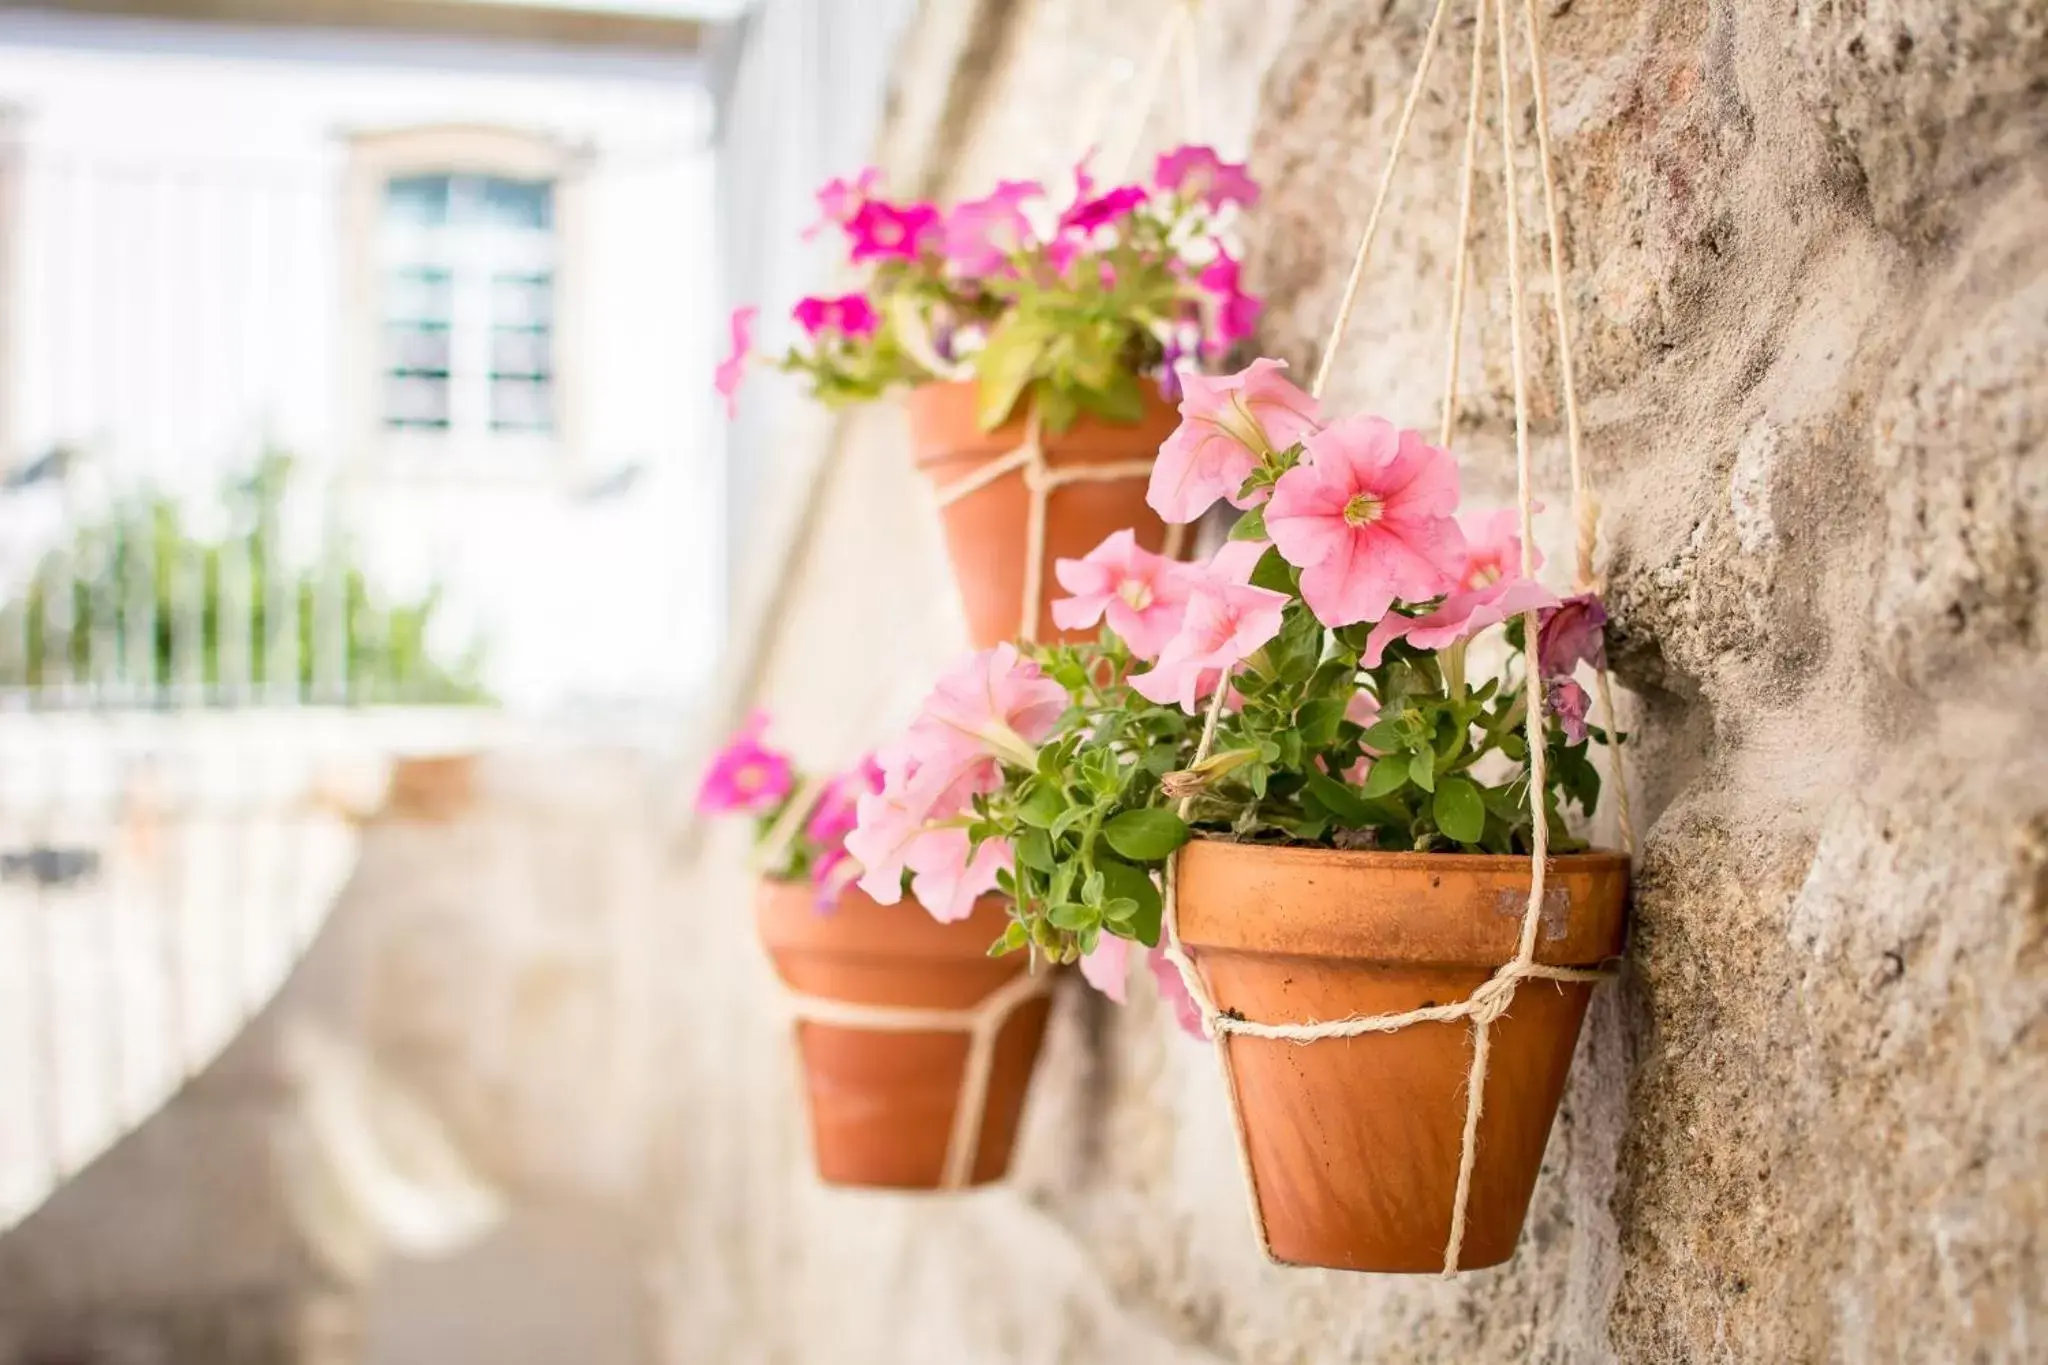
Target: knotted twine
<point x="1491" y="1000"/>
<point x="982" y="1022"/>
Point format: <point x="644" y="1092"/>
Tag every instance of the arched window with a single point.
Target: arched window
<point x="461" y="292"/>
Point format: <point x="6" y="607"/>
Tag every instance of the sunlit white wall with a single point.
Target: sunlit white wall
<point x="178" y="257"/>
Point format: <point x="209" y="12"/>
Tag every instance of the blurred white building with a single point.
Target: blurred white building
<point x="465" y="281"/>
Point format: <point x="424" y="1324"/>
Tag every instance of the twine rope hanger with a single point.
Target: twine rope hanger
<point x="1491" y="1000"/>
<point x="983" y="1022"/>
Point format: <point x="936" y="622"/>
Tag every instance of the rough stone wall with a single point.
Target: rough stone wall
<point x="1811" y="290"/>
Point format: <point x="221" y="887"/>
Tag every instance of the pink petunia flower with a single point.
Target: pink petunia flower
<point x="833" y="818"/>
<point x="994" y="702"/>
<point x="1142" y="595"/>
<point x="1174" y="991"/>
<point x="1568" y="702"/>
<point x="1462" y="616"/>
<point x="1570" y="633"/>
<point x="981" y="234"/>
<point x="1225" y="624"/>
<point x="733" y="368"/>
<point x="1234" y="560"/>
<point x="1367" y="517"/>
<point x="1086" y="215"/>
<point x="746" y="775"/>
<point x="882" y="231"/>
<point x="947" y="878"/>
<point x="1108" y="968"/>
<point x="839" y="200"/>
<point x="921" y="791"/>
<point x="850" y="315"/>
<point x="1493" y="550"/>
<point x="1199" y="173"/>
<point x="1228" y="423"/>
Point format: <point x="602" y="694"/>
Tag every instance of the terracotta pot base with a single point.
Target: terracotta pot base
<point x="986" y="536"/>
<point x="882" y="1103"/>
<point x="1355" y="1142"/>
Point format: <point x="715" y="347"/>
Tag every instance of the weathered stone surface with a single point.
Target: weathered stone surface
<point x="1811" y="301"/>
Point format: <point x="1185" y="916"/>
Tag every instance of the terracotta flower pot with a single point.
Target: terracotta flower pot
<point x="882" y="1103"/>
<point x="1355" y="1142"/>
<point x="986" y="534"/>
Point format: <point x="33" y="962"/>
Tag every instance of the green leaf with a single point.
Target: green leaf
<point x="1042" y="807"/>
<point x="1348" y="806"/>
<point x="1007" y="365"/>
<point x="1119" y="398"/>
<point x="1273" y="573"/>
<point x="1385" y="735"/>
<point x="1013" y="938"/>
<point x="1318" y="720"/>
<point x="1387" y="776"/>
<point x="1251" y="526"/>
<point x="1422" y="768"/>
<point x="1459" y="811"/>
<point x="1072" y="916"/>
<point x="1034" y="850"/>
<point x="1147" y="834"/>
<point x="1125" y="882"/>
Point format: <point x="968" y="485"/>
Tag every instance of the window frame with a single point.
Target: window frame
<point x="374" y="160"/>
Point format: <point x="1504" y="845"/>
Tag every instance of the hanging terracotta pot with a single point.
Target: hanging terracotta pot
<point x="987" y="529"/>
<point x="883" y="1101"/>
<point x="1355" y="1142"/>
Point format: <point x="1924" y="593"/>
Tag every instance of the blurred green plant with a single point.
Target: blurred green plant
<point x="146" y="537"/>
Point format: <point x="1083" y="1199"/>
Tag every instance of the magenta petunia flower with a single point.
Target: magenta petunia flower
<point x="1199" y="173"/>
<point x="1225" y="624"/>
<point x="1367" y="518"/>
<point x="746" y="775"/>
<point x="1462" y="616"/>
<point x="1236" y="312"/>
<point x="839" y="200"/>
<point x="1143" y="596"/>
<point x="1571" y="633"/>
<point x="1227" y="424"/>
<point x="982" y="234"/>
<point x="850" y="315"/>
<point x="882" y="231"/>
<point x="1086" y="215"/>
<point x="1568" y="702"/>
<point x="733" y="368"/>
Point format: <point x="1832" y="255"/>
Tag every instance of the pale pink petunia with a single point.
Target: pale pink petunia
<point x="982" y="234"/>
<point x="733" y="369"/>
<point x="1173" y="989"/>
<point x="922" y="790"/>
<point x="994" y="701"/>
<point x="1462" y="615"/>
<point x="850" y="315"/>
<point x="1228" y="424"/>
<point x="1234" y="560"/>
<point x="1108" y="968"/>
<point x="1568" y="702"/>
<point x="947" y="879"/>
<point x="1366" y="516"/>
<point x="1198" y="173"/>
<point x="840" y="199"/>
<point x="1493" y="550"/>
<point x="1141" y="595"/>
<point x="1225" y="624"/>
<point x="1572" y="632"/>
<point x="882" y="231"/>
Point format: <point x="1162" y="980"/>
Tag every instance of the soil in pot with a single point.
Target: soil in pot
<point x="1355" y="1142"/>
<point x="986" y="535"/>
<point x="882" y="1103"/>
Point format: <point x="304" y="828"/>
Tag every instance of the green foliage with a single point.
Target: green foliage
<point x="130" y="577"/>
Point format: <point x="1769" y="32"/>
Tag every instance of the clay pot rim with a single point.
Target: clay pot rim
<point x="1057" y="447"/>
<point x="1395" y="859"/>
